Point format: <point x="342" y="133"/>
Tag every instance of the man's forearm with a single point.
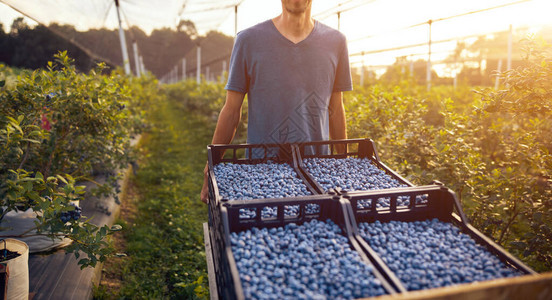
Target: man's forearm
<point x="226" y="126"/>
<point x="228" y="119"/>
<point x="338" y="121"/>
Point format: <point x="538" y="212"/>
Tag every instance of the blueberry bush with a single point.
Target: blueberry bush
<point x="58" y="129"/>
<point x="492" y="147"/>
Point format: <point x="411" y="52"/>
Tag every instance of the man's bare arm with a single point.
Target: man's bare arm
<point x="227" y="123"/>
<point x="338" y="121"/>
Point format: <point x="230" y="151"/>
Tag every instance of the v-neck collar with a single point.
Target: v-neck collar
<point x="288" y="40"/>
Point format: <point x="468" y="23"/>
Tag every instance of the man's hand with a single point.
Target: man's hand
<point x="205" y="188"/>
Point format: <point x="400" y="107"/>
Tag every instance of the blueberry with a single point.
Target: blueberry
<point x="311" y="261"/>
<point x="354" y="174"/>
<point x="432" y="253"/>
<point x="259" y="181"/>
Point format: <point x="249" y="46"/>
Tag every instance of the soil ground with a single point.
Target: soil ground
<point x="112" y="270"/>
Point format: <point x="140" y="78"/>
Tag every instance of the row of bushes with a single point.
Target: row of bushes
<point x="492" y="147"/>
<point x="60" y="128"/>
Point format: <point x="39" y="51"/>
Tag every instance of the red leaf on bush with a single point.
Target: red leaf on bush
<point x="45" y="123"/>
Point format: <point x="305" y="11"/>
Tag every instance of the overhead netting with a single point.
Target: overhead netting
<point x="161" y="33"/>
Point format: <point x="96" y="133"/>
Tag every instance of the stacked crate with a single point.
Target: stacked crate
<point x="326" y="193"/>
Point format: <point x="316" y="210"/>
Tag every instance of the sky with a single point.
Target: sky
<point x="370" y="25"/>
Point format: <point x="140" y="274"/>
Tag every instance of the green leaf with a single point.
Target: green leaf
<point x="116" y="227"/>
<point x="537" y="217"/>
<point x="518" y="245"/>
<point x="61" y="178"/>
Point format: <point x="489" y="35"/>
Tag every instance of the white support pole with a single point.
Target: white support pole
<point x="362" y="71"/>
<point x="126" y="61"/>
<point x="198" y="71"/>
<point x="509" y="62"/>
<point x="183" y="69"/>
<point x="428" y="70"/>
<point x="235" y="22"/>
<point x="142" y="67"/>
<point x="455" y="80"/>
<point x="362" y="74"/>
<point x="498" y="70"/>
<point x="136" y="58"/>
<point x="223" y="73"/>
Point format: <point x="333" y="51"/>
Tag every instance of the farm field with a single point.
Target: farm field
<point x="165" y="224"/>
<point x="491" y="147"/>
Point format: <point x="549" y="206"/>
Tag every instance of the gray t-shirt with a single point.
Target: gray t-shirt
<point x="288" y="85"/>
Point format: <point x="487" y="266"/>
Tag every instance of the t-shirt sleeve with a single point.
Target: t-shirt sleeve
<point x="238" y="79"/>
<point x="343" y="80"/>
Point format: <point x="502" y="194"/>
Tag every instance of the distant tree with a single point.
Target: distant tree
<point x="4" y="45"/>
<point x="401" y="71"/>
<point x="187" y="27"/>
<point x="18" y="25"/>
<point x="32" y="47"/>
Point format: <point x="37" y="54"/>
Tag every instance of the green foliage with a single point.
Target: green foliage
<point x="205" y="100"/>
<point x="492" y="147"/>
<point x="8" y="76"/>
<point x="516" y="130"/>
<point x="59" y="127"/>
<point x="166" y="257"/>
<point x="83" y="118"/>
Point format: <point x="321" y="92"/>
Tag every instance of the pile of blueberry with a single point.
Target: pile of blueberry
<point x="353" y="174"/>
<point x="431" y="253"/>
<point x="257" y="181"/>
<point x="73" y="214"/>
<point x="309" y="261"/>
